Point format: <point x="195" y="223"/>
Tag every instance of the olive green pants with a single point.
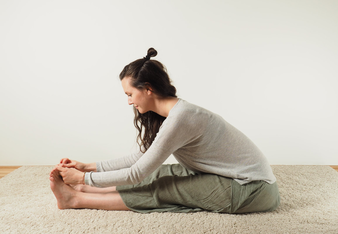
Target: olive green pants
<point x="172" y="188"/>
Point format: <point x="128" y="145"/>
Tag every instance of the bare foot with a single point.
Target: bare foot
<point x="64" y="194"/>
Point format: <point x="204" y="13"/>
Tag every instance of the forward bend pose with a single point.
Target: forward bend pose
<point x="219" y="170"/>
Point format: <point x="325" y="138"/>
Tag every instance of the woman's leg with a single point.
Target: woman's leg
<point x="68" y="198"/>
<point x="89" y="189"/>
<point x="175" y="189"/>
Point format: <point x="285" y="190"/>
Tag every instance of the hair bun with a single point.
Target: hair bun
<point x="151" y="53"/>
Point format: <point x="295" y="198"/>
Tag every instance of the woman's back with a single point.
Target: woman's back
<point x="203" y="141"/>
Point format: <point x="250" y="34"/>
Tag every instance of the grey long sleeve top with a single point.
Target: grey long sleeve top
<point x="200" y="140"/>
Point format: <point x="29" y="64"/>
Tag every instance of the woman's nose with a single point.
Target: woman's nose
<point x="130" y="101"/>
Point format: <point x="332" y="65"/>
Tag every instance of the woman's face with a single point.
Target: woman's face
<point x="139" y="98"/>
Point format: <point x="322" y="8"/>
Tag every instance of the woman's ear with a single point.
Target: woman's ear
<point x="149" y="89"/>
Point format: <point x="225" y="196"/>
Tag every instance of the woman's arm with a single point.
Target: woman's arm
<point x="90" y="167"/>
<point x="173" y="134"/>
<point x="118" y="163"/>
<point x="148" y="163"/>
<point x="110" y="165"/>
<point x="84" y="167"/>
<point x="73" y="172"/>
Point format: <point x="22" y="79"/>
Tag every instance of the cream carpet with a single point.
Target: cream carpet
<point x="309" y="204"/>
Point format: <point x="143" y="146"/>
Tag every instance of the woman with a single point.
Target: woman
<point x="220" y="169"/>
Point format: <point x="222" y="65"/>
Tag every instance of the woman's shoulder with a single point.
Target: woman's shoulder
<point x="190" y="119"/>
<point x="184" y="118"/>
<point x="184" y="107"/>
<point x="185" y="111"/>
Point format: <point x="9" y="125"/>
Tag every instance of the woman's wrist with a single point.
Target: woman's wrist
<point x="90" y="167"/>
<point x="83" y="178"/>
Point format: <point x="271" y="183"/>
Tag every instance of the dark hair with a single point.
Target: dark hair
<point x="146" y="73"/>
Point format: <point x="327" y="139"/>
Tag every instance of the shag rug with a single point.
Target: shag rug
<point x="309" y="204"/>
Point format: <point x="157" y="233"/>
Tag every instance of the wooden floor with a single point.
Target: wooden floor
<point x="335" y="167"/>
<point x="4" y="170"/>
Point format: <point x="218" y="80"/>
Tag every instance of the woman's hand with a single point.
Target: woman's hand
<point x="66" y="162"/>
<point x="71" y="175"/>
<point x="85" y="167"/>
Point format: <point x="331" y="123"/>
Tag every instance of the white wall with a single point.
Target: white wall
<point x="268" y="67"/>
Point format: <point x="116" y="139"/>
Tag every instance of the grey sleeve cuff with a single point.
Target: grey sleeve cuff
<point x="88" y="175"/>
<point x="88" y="178"/>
